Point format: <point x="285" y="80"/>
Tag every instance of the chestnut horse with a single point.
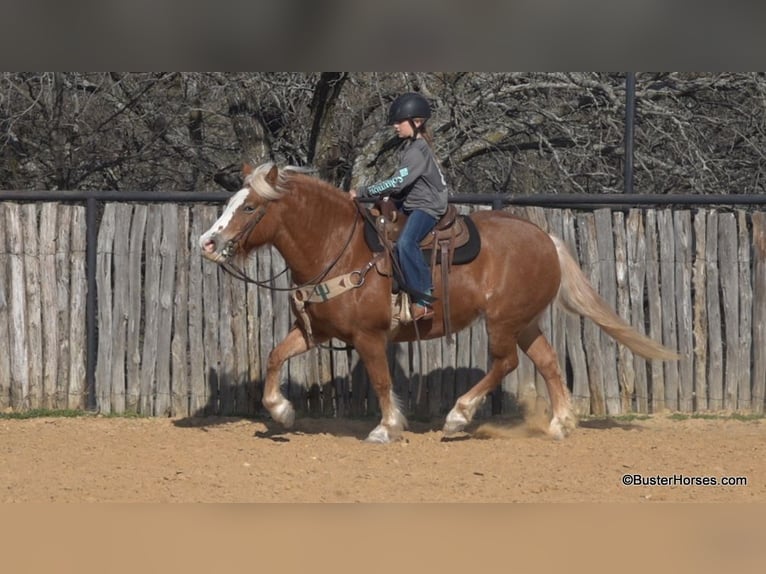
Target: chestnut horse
<point x="519" y="271"/>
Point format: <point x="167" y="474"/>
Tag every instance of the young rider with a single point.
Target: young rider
<point x="419" y="188"/>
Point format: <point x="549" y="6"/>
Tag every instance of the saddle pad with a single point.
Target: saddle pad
<point x="463" y="254"/>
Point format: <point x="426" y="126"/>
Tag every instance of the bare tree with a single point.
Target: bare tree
<point x="505" y="132"/>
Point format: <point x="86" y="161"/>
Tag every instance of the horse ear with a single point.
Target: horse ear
<point x="247" y="169"/>
<point x="271" y="177"/>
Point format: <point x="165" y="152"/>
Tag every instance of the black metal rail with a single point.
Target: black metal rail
<point x="565" y="200"/>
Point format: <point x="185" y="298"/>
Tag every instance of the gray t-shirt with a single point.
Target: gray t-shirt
<point x="418" y="181"/>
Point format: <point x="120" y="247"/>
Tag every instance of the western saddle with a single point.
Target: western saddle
<point x="449" y="233"/>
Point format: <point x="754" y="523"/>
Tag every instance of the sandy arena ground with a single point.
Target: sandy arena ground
<point x="324" y="460"/>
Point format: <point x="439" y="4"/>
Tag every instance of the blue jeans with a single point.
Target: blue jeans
<point x="417" y="275"/>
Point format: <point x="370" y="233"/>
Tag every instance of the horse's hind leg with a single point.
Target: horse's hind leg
<point x="543" y="355"/>
<point x="504" y="360"/>
<point x="275" y="402"/>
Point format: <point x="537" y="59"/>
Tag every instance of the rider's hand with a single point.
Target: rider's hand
<point x="352" y="193"/>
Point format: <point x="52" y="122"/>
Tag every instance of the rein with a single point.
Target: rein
<point x="239" y="273"/>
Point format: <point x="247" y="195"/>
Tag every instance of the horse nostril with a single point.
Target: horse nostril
<point x="209" y="246"/>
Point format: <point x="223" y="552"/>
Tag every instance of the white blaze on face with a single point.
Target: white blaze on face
<point x="231" y="208"/>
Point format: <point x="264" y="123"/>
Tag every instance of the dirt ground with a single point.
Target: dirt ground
<point x="103" y="459"/>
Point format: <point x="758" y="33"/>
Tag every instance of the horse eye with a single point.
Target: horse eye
<point x="248" y="209"/>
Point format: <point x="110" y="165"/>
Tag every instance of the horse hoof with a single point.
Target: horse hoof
<point x="378" y="435"/>
<point x="451" y="431"/>
<point x="284" y="414"/>
<point x="558" y="429"/>
<point x="556" y="432"/>
<point x="454" y="424"/>
<point x="289" y="419"/>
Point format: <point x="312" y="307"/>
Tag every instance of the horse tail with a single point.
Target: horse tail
<point x="576" y="295"/>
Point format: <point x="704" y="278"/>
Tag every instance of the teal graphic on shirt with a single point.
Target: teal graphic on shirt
<point x="390" y="183"/>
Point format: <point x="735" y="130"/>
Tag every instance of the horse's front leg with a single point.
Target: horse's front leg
<point x="275" y="402"/>
<point x="372" y="351"/>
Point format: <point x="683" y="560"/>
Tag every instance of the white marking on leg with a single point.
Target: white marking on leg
<point x="396" y="421"/>
<point x="455" y="422"/>
<point x="562" y="423"/>
<point x="556" y="429"/>
<point x="282" y="412"/>
<point x="470" y="407"/>
<point x="391" y="426"/>
<point x="461" y="414"/>
<point x="379" y="435"/>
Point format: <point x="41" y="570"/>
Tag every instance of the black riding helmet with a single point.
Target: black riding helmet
<point x="408" y="106"/>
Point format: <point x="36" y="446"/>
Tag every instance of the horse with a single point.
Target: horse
<point x="343" y="291"/>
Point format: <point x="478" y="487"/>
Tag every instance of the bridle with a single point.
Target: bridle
<point x="230" y="249"/>
<point x="238" y="273"/>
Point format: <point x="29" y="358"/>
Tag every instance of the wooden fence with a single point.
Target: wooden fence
<point x="42" y="306"/>
<point x="178" y="338"/>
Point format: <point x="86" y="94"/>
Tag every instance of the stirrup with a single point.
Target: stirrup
<point x="419" y="311"/>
